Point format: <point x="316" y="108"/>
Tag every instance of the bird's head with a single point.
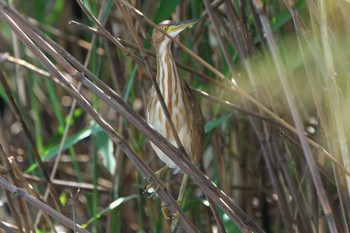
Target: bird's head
<point x="172" y="28"/>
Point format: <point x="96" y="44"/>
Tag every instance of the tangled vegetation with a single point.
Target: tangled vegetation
<point x="272" y="79"/>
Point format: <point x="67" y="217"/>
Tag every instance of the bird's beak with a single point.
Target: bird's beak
<point x="178" y="27"/>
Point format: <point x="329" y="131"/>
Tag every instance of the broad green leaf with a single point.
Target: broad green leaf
<point x="165" y="9"/>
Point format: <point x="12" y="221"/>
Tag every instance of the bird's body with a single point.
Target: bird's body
<point x="182" y="106"/>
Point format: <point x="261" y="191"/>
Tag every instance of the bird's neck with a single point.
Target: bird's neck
<point x="167" y="75"/>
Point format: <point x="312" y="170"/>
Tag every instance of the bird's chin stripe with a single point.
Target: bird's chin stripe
<point x="164" y="45"/>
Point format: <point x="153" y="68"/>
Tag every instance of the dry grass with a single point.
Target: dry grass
<point x="273" y="82"/>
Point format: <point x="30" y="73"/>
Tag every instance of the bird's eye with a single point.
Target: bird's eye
<point x="165" y="28"/>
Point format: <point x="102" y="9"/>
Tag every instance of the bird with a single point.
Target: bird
<point x="183" y="108"/>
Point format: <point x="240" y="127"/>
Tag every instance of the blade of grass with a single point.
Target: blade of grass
<point x="51" y="152"/>
<point x="55" y="103"/>
<point x="36" y="116"/>
<point x="297" y="120"/>
<point x="115" y="204"/>
<point x="209" y="126"/>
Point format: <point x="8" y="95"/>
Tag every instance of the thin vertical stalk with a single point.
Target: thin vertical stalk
<point x="219" y="37"/>
<point x="333" y="91"/>
<point x="297" y="120"/>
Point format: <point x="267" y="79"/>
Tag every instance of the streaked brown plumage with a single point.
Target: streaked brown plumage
<point x="183" y="107"/>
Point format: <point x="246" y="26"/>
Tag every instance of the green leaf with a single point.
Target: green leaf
<point x="105" y="149"/>
<point x="54" y="101"/>
<point x="107" y="11"/>
<point x="283" y="16"/>
<point x="229" y="225"/>
<point x="3" y="94"/>
<point x="52" y="151"/>
<point x="215" y="123"/>
<point x="63" y="198"/>
<point x="110" y="207"/>
<point x="165" y="9"/>
<point x="130" y="83"/>
<point x="196" y="8"/>
<point x="35" y="111"/>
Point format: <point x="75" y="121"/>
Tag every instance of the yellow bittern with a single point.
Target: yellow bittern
<point x="183" y="108"/>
